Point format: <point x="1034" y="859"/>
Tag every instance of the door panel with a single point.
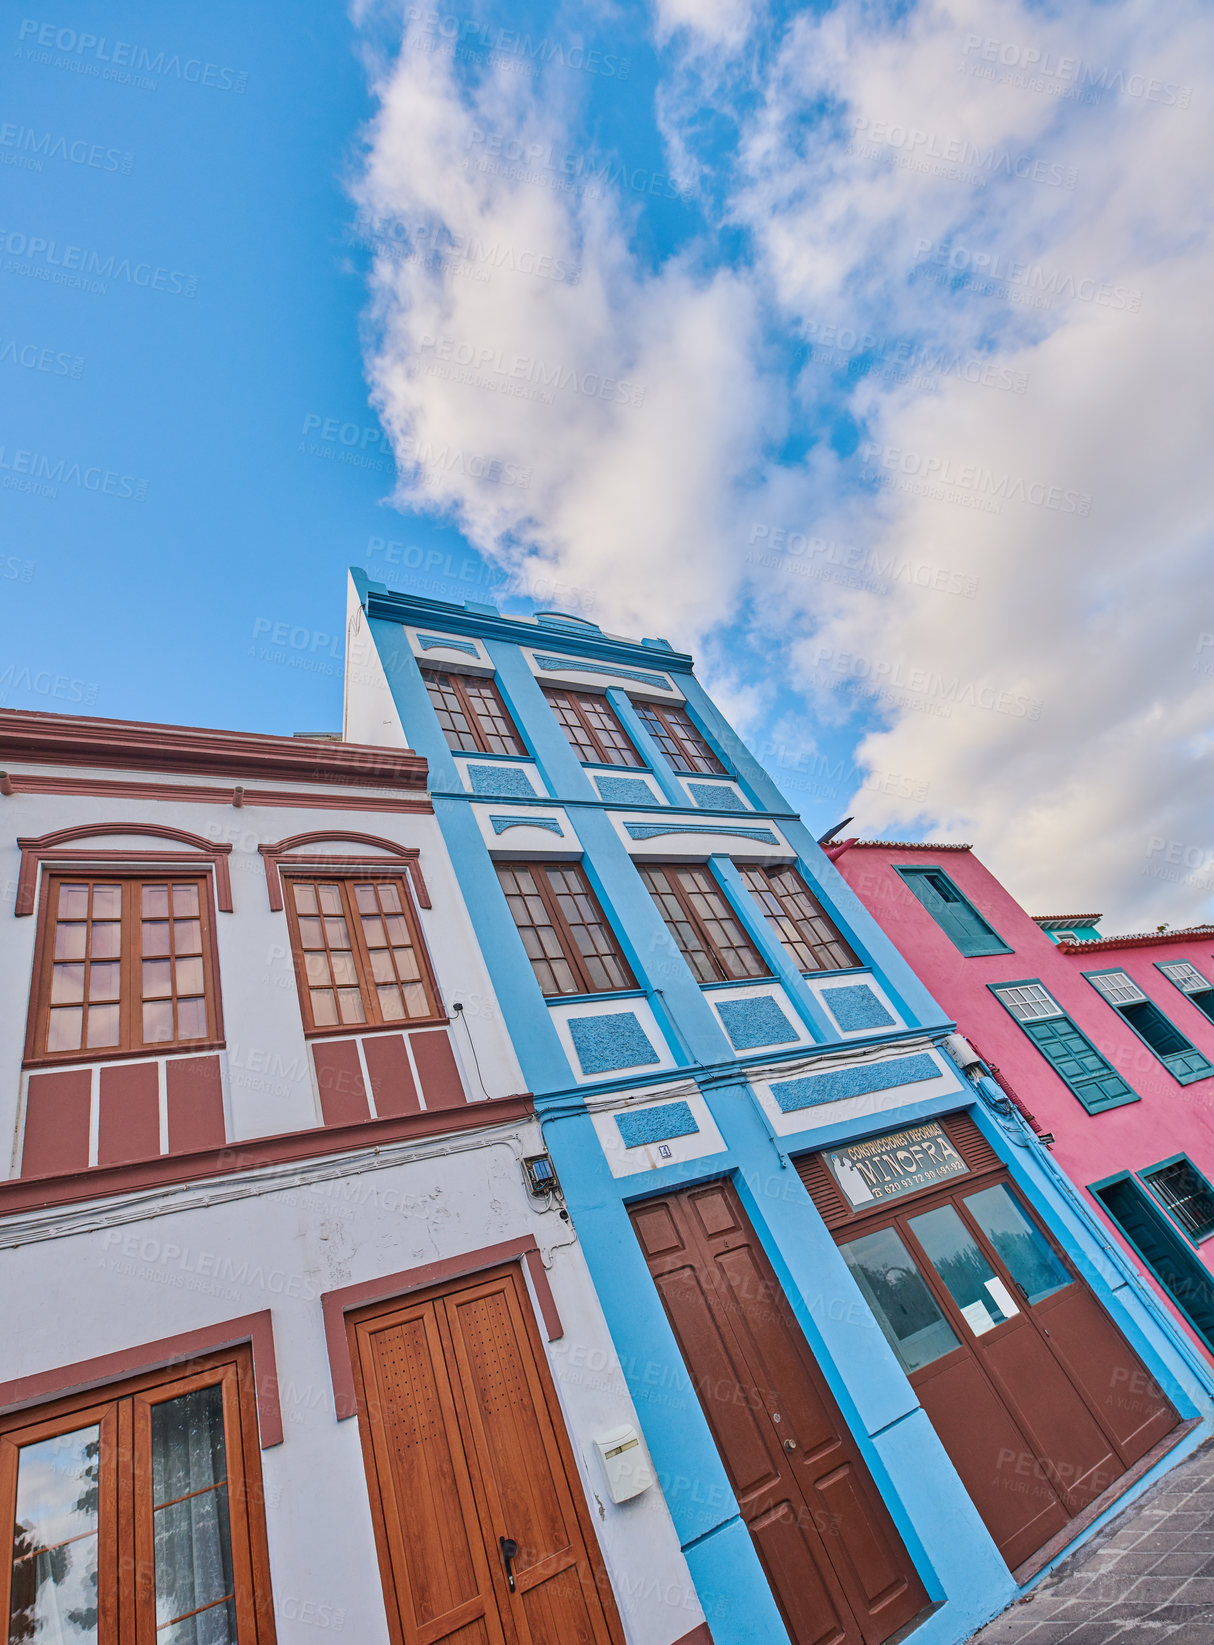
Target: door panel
<point x="837" y="1568"/>
<point x="463" y="1446"/>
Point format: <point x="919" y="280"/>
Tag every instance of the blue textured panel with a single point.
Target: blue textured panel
<point x="756" y="1021"/>
<point x="626" y="791"/>
<point x="613" y="1041"/>
<point x="582" y="666"/>
<point x="672" y="1119"/>
<point x="857" y="1007"/>
<point x="501" y="824"/>
<point x="853" y="1082"/>
<point x="713" y="797"/>
<point x="501" y="781"/>
<point x="648" y="831"/>
<point x="429" y="641"/>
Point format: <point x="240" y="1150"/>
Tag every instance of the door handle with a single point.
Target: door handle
<point x="509" y="1549"/>
<point x="790" y="1444"/>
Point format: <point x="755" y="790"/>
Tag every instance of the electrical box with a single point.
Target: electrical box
<point x="625" y="1464"/>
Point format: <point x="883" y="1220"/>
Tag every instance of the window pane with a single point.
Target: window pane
<point x="54" y="1592"/>
<point x="74" y="902"/>
<point x="67" y="984"/>
<point x="156" y="937"/>
<point x="157" y="1021"/>
<point x="982" y="1297"/>
<point x="1021" y="1246"/>
<point x="187" y="937"/>
<point x="390" y="1006"/>
<point x="896" y="1292"/>
<point x="64" y="1029"/>
<point x="191" y="1534"/>
<point x="305" y="899"/>
<point x="350" y="1003"/>
<point x="389" y="898"/>
<point x="185" y="900"/>
<point x="103" y="1026"/>
<point x="155" y="902"/>
<point x="324" y="1008"/>
<point x="69" y="941"/>
<point x="157" y="979"/>
<point x="192" y="1019"/>
<point x="105" y="940"/>
<point x="188" y="975"/>
<point x="1187" y="1195"/>
<point x="103" y="981"/>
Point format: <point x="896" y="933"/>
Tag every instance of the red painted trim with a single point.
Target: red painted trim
<point x="1138" y="939"/>
<point x="255" y="1329"/>
<point x="47" y="848"/>
<point x="697" y="1636"/>
<point x="274" y="855"/>
<point x="198" y="794"/>
<point x="337" y="1304"/>
<point x="99" y="1182"/>
<point x="68" y="739"/>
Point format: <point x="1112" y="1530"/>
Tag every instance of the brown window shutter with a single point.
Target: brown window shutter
<point x="969" y="1142"/>
<point x="823" y="1189"/>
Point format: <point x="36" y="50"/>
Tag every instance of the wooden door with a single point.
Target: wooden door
<point x="464" y="1447"/>
<point x="837" y="1567"/>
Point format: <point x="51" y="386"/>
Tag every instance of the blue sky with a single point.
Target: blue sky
<point x="863" y="350"/>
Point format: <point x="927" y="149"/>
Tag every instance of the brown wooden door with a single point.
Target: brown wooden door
<point x="837" y="1567"/>
<point x="464" y="1446"/>
<point x="1039" y="1400"/>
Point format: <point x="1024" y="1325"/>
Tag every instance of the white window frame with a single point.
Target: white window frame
<point x="1025" y="1000"/>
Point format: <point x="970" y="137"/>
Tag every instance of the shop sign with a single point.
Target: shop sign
<point x="901" y="1162"/>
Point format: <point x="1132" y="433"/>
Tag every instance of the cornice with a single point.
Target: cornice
<point x="394" y="607"/>
<point x="136" y="745"/>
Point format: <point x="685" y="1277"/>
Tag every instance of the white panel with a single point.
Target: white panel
<point x="851" y="1108"/>
<point x="627" y="1162"/>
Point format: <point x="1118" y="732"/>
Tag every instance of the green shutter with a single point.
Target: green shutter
<point x="1094" y="1081"/>
<point x="1179" y="1056"/>
<point x="958" y="919"/>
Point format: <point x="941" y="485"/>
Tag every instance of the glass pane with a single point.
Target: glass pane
<point x="330" y="899"/>
<point x="311" y="933"/>
<point x="157" y="979"/>
<point x="351" y="1004"/>
<point x="324" y="1011"/>
<point x="192" y="1019"/>
<point x="103" y="982"/>
<point x="69" y="942"/>
<point x="67" y="984"/>
<point x="1034" y="1267"/>
<point x="398" y="931"/>
<point x="157" y="1021"/>
<point x="905" y="1309"/>
<point x="185" y="899"/>
<point x="107" y="902"/>
<point x="416" y="1003"/>
<point x="64" y="1028"/>
<point x="103" y="1025"/>
<point x="316" y="967"/>
<point x="390" y="1007"/>
<point x="381" y="966"/>
<point x="214" y="1627"/>
<point x="190" y="1524"/>
<point x="364" y="896"/>
<point x="155" y="936"/>
<point x="305" y="899"/>
<point x="344" y="974"/>
<point x="982" y="1297"/>
<point x="155" y="902"/>
<point x="73" y="902"/>
<point x="335" y="931"/>
<point x="105" y="942"/>
<point x="54" y="1598"/>
<point x="389" y="898"/>
<point x="187" y="937"/>
<point x="373" y="931"/>
<point x="189" y="976"/>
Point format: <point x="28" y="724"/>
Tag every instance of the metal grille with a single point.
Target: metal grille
<point x="1186" y="1194"/>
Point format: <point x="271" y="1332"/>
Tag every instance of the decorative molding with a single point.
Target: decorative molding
<point x="428" y="642"/>
<point x="59" y="847"/>
<point x="502" y="782"/>
<point x="859" y="1080"/>
<point x="279" y="856"/>
<point x="625" y="791"/>
<point x="616" y="1040"/>
<point x="649" y="831"/>
<point x="581" y="665"/>
<point x="100" y="1181"/>
<point x="255" y="1329"/>
<point x="113" y="788"/>
<point x="501" y="824"/>
<point x="337" y="1304"/>
<point x="717" y="797"/>
<point x="856" y="1007"/>
<point x="67" y="739"/>
<point x="648" y="1125"/>
<point x="755" y="1021"/>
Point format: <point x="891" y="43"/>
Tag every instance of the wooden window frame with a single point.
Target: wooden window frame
<point x="682" y="761"/>
<point x="122" y="1410"/>
<point x="39" y="1000"/>
<point x="468" y="709"/>
<point x="574" y="700"/>
<point x="693" y="919"/>
<point x="346" y="873"/>
<point x="570" y="952"/>
<point x="812" y="943"/>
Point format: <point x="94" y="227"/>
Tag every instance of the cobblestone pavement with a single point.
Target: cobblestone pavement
<point x="1147" y="1577"/>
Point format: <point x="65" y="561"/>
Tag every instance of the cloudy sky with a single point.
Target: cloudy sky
<point x="864" y="350"/>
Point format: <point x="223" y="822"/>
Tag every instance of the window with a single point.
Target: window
<point x="700" y="920"/>
<point x="683" y="745"/>
<point x="798" y="919"/>
<point x="1191" y="982"/>
<point x="1179" y="1056"/>
<point x="1092" y="1079"/>
<point x="127" y="965"/>
<point x="953" y="913"/>
<point x="571" y="947"/>
<point x="128" y="1518"/>
<point x="358" y="955"/>
<point x="1181" y="1189"/>
<point x="472" y="714"/>
<point x="594" y="733"/>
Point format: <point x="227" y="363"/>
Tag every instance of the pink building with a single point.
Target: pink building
<point x="1106" y="1042"/>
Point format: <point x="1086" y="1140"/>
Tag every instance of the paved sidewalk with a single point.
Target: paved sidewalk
<point x="1147" y="1577"/>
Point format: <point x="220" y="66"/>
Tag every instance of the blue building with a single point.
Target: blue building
<point x="885" y="1365"/>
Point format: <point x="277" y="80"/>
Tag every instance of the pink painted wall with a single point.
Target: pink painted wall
<point x="1170" y="1119"/>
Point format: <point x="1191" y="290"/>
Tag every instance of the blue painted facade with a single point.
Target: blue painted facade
<point x="786" y="1064"/>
